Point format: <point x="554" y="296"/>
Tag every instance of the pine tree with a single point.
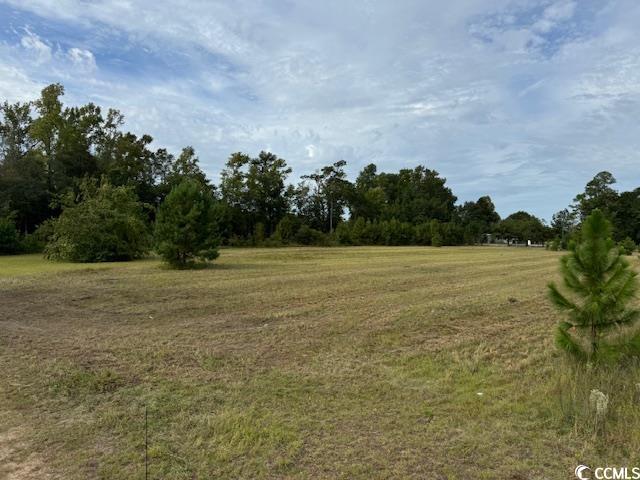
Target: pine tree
<point x="600" y="323"/>
<point x="185" y="226"/>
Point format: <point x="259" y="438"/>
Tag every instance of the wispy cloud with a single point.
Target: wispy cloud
<point x="40" y="51"/>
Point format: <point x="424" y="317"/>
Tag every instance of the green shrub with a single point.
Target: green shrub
<point x="627" y="246"/>
<point x="286" y="229"/>
<point x="599" y="321"/>
<point x="437" y="239"/>
<point x="258" y="234"/>
<point x="394" y="232"/>
<point x="186" y="232"/>
<point x="309" y="236"/>
<point x="357" y="231"/>
<point x="32" y="243"/>
<point x="422" y="234"/>
<point x="372" y="234"/>
<point x="553" y="245"/>
<point x="342" y="234"/>
<point x="104" y="223"/>
<point x="9" y="238"/>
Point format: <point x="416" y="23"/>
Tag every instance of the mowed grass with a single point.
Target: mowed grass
<point x="367" y="362"/>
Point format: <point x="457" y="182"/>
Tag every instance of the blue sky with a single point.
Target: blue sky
<point x="519" y="99"/>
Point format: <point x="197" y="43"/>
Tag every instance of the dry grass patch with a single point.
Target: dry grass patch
<point x="301" y="363"/>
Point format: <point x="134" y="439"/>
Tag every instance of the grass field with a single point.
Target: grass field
<point x="298" y="363"/>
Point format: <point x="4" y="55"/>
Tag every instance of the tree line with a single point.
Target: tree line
<point x="80" y="160"/>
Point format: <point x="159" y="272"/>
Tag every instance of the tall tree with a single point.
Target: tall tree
<point x="79" y="131"/>
<point x="327" y="195"/>
<point x="626" y="216"/>
<point x="478" y="218"/>
<point x="45" y="130"/>
<point x="411" y="195"/>
<point x="523" y="226"/>
<point x="23" y="182"/>
<point x="563" y="223"/>
<point x="265" y="184"/>
<point x="598" y="194"/>
<point x="15" y="121"/>
<point x="235" y="203"/>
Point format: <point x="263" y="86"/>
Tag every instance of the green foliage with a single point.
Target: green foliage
<point x="598" y="194"/>
<point x="627" y="246"/>
<point x="395" y="232"/>
<point x="47" y="148"/>
<point x="357" y="231"/>
<point x="309" y="236"/>
<point x="254" y="191"/>
<point x="9" y="238"/>
<point x="411" y="195"/>
<point x="103" y="223"/>
<point x="342" y="234"/>
<point x="258" y="234"/>
<point x="626" y="215"/>
<point x="553" y="245"/>
<point x="186" y="232"/>
<point x="436" y="234"/>
<point x="323" y="195"/>
<point x="32" y="243"/>
<point x="523" y="226"/>
<point x="599" y="323"/>
<point x="476" y="219"/>
<point x="422" y="234"/>
<point x="286" y="229"/>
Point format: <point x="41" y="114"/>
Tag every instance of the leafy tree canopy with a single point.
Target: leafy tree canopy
<point x="101" y="223"/>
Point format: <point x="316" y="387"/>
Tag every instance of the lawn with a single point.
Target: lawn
<point x="362" y="362"/>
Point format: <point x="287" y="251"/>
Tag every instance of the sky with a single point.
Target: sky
<point x="521" y="100"/>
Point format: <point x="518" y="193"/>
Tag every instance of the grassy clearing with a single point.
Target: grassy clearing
<point x="299" y="363"/>
<point x="21" y="265"/>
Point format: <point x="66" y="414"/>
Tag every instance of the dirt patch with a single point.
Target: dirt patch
<point x="15" y="464"/>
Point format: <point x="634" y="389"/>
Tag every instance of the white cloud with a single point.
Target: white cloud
<point x="32" y="43"/>
<point x="82" y="58"/>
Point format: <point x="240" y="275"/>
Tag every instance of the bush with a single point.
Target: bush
<point x="357" y="231"/>
<point x="395" y="232"/>
<point x="342" y="234"/>
<point x="104" y="223"/>
<point x="599" y="323"/>
<point x="309" y="236"/>
<point x="422" y="234"/>
<point x="452" y="233"/>
<point x="437" y="239"/>
<point x="372" y="234"/>
<point x="32" y="243"/>
<point x="627" y="246"/>
<point x="258" y="234"/>
<point x="186" y="232"/>
<point x="553" y="245"/>
<point x="9" y="238"/>
<point x="286" y="229"/>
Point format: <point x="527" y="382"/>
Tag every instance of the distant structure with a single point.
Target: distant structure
<point x="492" y="239"/>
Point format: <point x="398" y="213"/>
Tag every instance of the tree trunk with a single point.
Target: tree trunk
<point x="330" y="216"/>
